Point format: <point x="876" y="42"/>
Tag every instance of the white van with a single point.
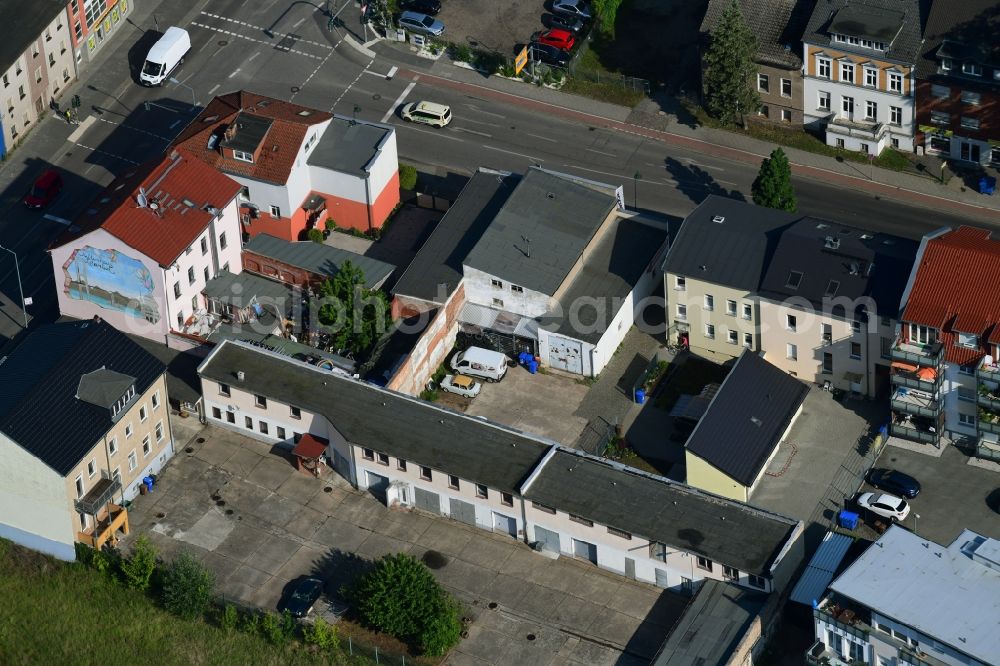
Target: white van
<point x="167" y="53"/>
<point x="479" y="362"/>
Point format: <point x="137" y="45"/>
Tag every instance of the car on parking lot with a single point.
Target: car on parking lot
<point x="302" y="597"/>
<point x="575" y="8"/>
<point x="885" y="505"/>
<point x="431" y="7"/>
<point x="561" y="39"/>
<point x="461" y="385"/>
<point x="428" y="113"/>
<point x="895" y="482"/>
<point x="563" y="22"/>
<point x="547" y="54"/>
<point x="45" y="188"/>
<point x="422" y="24"/>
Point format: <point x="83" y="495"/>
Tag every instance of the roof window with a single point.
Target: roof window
<point x="794" y="280"/>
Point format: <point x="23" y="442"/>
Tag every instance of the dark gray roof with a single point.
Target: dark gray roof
<point x="23" y="23"/>
<point x="835" y="261"/>
<point x="744" y="423"/>
<point x="103" y="387"/>
<point x="611" y="272"/>
<point x="898" y="23"/>
<point x="439" y="260"/>
<point x="348" y="146"/>
<point x="39" y="409"/>
<point x="249" y="132"/>
<point x="182" y="368"/>
<point x="656" y="508"/>
<point x="962" y="31"/>
<point x="542" y="230"/>
<point x="242" y="289"/>
<point x="389" y="422"/>
<point x="732" y="253"/>
<point x="318" y="258"/>
<point x="712" y="626"/>
<point x="778" y="25"/>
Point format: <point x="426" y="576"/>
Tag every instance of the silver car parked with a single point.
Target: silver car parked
<point x="421" y="24"/>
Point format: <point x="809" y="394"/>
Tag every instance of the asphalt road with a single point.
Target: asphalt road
<point x="284" y="50"/>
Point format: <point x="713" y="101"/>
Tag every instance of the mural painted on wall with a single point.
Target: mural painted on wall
<point x="112" y="280"/>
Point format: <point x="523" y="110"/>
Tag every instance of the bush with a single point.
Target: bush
<point x="138" y="569"/>
<point x="315" y="235"/>
<point x="407" y="177"/>
<point x="401" y="597"/>
<point x="330" y="224"/>
<point x="187" y="587"/>
<point x="230" y="617"/>
<point x="252" y="623"/>
<point x="461" y="52"/>
<point x="321" y="635"/>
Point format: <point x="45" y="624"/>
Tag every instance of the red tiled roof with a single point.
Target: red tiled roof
<point x="957" y="288"/>
<point x="290" y="122"/>
<point x="181" y="188"/>
<point x="310" y="446"/>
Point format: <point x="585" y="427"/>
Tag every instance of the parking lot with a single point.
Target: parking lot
<point x="258" y="524"/>
<point x="490" y="25"/>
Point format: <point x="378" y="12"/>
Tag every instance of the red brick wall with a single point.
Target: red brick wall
<point x="987" y="111"/>
<point x="278" y="270"/>
<point x="431" y="348"/>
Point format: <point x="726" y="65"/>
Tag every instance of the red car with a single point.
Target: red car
<point x="45" y="189"/>
<point x="561" y="39"/>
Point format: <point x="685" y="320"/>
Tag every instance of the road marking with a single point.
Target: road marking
<point x="266" y="42"/>
<point x="214" y="88"/>
<point x="255" y="54"/>
<point x="468" y="131"/>
<point x="543" y="138"/>
<point x="511" y="152"/>
<point x="600" y="152"/>
<point x="175" y="123"/>
<point x="691" y="162"/>
<point x="478" y="122"/>
<point x="399" y="100"/>
<point x="80" y="129"/>
<point x="258" y="28"/>
<point x="104" y="152"/>
<point x="486" y="113"/>
<point x="60" y="220"/>
<point x="388" y="75"/>
<point x="437" y="133"/>
<point x="351" y="85"/>
<point x="237" y="71"/>
<point x="136" y="129"/>
<point x="392" y="72"/>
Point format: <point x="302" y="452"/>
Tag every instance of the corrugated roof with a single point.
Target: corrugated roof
<point x="822" y="568"/>
<point x="957" y="288"/>
<point x="435" y="272"/>
<point x="348" y="145"/>
<point x="542" y="229"/>
<point x="942" y="592"/>
<point x="243" y="289"/>
<point x="777" y="24"/>
<point x="25" y="22"/>
<point x="289" y="124"/>
<point x="727" y="242"/>
<point x="899" y="23"/>
<point x="39" y="407"/>
<point x="183" y="195"/>
<point x="747" y="417"/>
<point x="318" y="258"/>
<point x="728" y="532"/>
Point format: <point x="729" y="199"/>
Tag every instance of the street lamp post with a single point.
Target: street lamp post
<point x="915" y="516"/>
<point x="20" y="290"/>
<point x="635" y="189"/>
<point x="194" y="102"/>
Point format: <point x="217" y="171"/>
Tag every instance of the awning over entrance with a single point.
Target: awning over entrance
<point x="507" y="323"/>
<point x="310" y="447"/>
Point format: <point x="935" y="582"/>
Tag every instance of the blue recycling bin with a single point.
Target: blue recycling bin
<point x="640" y="396"/>
<point x="987" y="185"/>
<point x="148" y="482"/>
<point x="848" y="520"/>
<point x="524" y="358"/>
<point x="532" y="366"/>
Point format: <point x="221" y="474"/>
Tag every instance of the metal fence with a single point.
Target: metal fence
<point x="633" y="83"/>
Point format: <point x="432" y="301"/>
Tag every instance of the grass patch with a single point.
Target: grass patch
<point x="689" y="378"/>
<point x="591" y="78"/>
<point x="604" y="92"/>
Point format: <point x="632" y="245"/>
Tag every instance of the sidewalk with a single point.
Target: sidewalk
<point x="648" y="119"/>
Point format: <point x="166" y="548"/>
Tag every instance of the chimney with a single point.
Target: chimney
<point x="240" y="375"/>
<point x="97" y="319"/>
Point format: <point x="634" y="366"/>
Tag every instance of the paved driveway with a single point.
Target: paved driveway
<point x="490" y="25"/>
<point x="259" y="524"/>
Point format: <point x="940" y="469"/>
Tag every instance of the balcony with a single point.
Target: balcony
<point x="988" y="397"/>
<point x="915" y="402"/>
<point x="908" y="430"/>
<point x="872" y="131"/>
<point x="989" y="421"/>
<point x="115" y="518"/>
<point x="988" y="448"/>
<point x="925" y="379"/>
<point x="989" y="373"/>
<point x="917" y="353"/>
<point x="820" y="655"/>
<point x="851" y="619"/>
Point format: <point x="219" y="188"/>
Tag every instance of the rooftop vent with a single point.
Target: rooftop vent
<point x="822" y="225"/>
<point x="210" y="119"/>
<point x="240" y="375"/>
<point x="855" y="268"/>
<point x="831" y="243"/>
<point x="188" y="203"/>
<point x="305" y="113"/>
<point x="264" y="103"/>
<point x="550" y="195"/>
<point x="718" y="219"/>
<point x="756" y="421"/>
<point x="866" y="236"/>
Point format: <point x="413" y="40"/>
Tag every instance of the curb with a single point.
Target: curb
<point x="357" y="46"/>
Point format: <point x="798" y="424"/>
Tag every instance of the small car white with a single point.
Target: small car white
<point x="461" y="385"/>
<point x="428" y="113"/>
<point x="885" y="505"/>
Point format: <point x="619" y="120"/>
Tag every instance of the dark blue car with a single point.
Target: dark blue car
<point x="894" y="482"/>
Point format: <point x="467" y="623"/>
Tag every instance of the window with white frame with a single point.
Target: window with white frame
<point x="786" y="115"/>
<point x="968" y="340"/>
<point x="709" y="302"/>
<point x="972" y="69"/>
<point x="275" y="211"/>
<point x="786" y="87"/>
<point x="92" y="468"/>
<point x="871" y="110"/>
<point x="704" y="563"/>
<point x="682" y="312"/>
<point x="967" y="419"/>
<point x="710" y="331"/>
<point x="847" y="72"/>
<point x="790" y="322"/>
<point x="730" y="573"/>
<point x="966" y="394"/>
<point x="747" y="311"/>
<point x="730" y="307"/>
<point x="946" y="64"/>
<point x="895" y="82"/>
<point x="871" y="77"/>
<point x="496" y="283"/>
<point x="159" y="431"/>
<point x="243" y="156"/>
<point x="940" y="118"/>
<point x="112" y="446"/>
<point x="133" y="461"/>
<point x="733" y="337"/>
<point x="748" y="340"/>
<point x="823" y="68"/>
<point x="658" y="551"/>
<point x="147" y="446"/>
<point x="847" y="107"/>
<point x="970" y="123"/>
<point x="823" y="100"/>
<point x="970" y="97"/>
<point x="756" y="581"/>
<point x="791" y="352"/>
<point x="128" y="430"/>
<point x="680" y="283"/>
<point x="155" y="399"/>
<point x="762" y="83"/>
<point x="895" y="115"/>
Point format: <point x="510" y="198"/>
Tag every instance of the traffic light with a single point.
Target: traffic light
<point x="75" y="101"/>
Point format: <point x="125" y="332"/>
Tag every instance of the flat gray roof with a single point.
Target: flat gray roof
<point x="948" y="593"/>
<point x="241" y="289"/>
<point x="348" y="146"/>
<point x="318" y="258"/>
<point x="542" y="229"/>
<point x="658" y="509"/>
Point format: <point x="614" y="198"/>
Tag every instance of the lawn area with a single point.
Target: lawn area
<point x="59" y="613"/>
<point x="688" y="377"/>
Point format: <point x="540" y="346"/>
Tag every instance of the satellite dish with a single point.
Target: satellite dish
<point x="141" y="199"/>
<point x="153" y="205"/>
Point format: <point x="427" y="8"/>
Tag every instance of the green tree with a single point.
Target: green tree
<point x="772" y="187"/>
<point x="315" y="235"/>
<point x="354" y="315"/>
<point x="187" y="587"/>
<point x="138" y="569"/>
<point x="730" y="68"/>
<point x="401" y="597"/>
<point x="607" y="11"/>
<point x="321" y="634"/>
<point x="407" y="177"/>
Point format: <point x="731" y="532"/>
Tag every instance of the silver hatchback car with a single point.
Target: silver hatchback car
<point x="421" y="24"/>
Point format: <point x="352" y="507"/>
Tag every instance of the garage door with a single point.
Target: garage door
<point x="505" y="524"/>
<point x="426" y="500"/>
<point x="661" y="578"/>
<point x="565" y="355"/>
<point x="463" y="512"/>
<point x="584" y="550"/>
<point x="547" y="540"/>
<point x="377" y="485"/>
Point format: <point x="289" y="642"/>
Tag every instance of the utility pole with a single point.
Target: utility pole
<point x="20" y="290"/>
<point x="635" y="189"/>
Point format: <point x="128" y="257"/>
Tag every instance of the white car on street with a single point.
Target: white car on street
<point x="885" y="505"/>
<point x="461" y="385"/>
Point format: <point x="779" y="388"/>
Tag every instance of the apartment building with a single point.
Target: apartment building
<point x="142" y="255"/>
<point x="413" y="454"/>
<point x="941" y="611"/>
<point x="95" y="23"/>
<point x="83" y="418"/>
<point x="299" y="168"/>
<point x="778" y="26"/>
<point x="945" y="375"/>
<point x="36" y="65"/>
<point x="958" y="83"/>
<point x="858" y="61"/>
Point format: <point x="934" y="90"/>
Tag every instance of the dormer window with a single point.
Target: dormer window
<point x="107" y="389"/>
<point x="123" y="401"/>
<point x="946" y="64"/>
<point x="972" y="69"/>
<point x="968" y="340"/>
<point x="243" y="156"/>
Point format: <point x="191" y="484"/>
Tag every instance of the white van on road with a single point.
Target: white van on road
<point x="479" y="362"/>
<point x="164" y="57"/>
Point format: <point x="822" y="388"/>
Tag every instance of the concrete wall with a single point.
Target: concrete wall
<point x="718" y="349"/>
<point x="479" y="289"/>
<point x="704" y="476"/>
<point x="430" y="349"/>
<point x="264" y="195"/>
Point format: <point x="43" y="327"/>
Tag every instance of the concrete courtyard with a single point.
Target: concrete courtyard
<point x="256" y="522"/>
